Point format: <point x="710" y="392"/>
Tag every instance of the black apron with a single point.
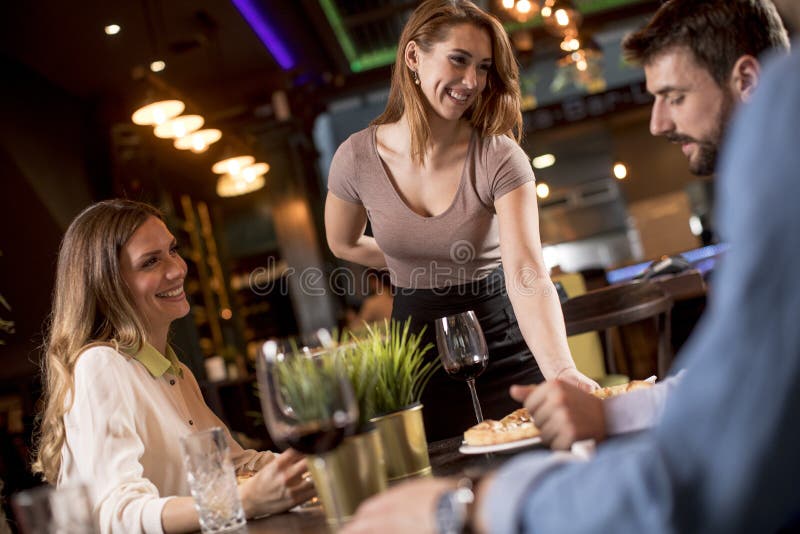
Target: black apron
<point x="447" y="403"/>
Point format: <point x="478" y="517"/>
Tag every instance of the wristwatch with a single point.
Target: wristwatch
<point x="452" y="510"/>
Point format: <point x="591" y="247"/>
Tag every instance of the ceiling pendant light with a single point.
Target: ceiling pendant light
<point x="158" y="112"/>
<point x="542" y="190"/>
<point x="232" y="165"/>
<point x="561" y="17"/>
<point x="544" y="161"/>
<point x="581" y="65"/>
<point x="232" y="186"/>
<point x="251" y="172"/>
<point x="198" y="141"/>
<point x="521" y="10"/>
<point x="179" y="126"/>
<point x="571" y="43"/>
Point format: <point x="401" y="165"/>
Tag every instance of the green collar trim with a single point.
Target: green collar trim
<point x="158" y="364"/>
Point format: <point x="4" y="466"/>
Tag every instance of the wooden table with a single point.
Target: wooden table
<point x="445" y="461"/>
<point x="682" y="286"/>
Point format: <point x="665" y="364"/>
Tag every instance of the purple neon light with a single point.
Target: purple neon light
<point x="268" y="36"/>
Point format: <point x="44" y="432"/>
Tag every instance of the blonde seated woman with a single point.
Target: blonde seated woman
<point x="117" y="400"/>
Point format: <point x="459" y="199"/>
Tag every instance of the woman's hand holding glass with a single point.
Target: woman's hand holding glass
<point x="280" y="485"/>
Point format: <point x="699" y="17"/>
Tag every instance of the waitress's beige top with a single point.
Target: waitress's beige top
<point x="458" y="246"/>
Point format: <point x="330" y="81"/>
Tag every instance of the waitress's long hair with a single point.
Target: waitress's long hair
<point x="496" y="111"/>
<point x="91" y="305"/>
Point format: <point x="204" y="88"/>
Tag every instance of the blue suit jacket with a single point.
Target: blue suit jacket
<point x="725" y="457"/>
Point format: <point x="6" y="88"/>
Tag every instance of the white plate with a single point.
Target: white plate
<point x="500" y="447"/>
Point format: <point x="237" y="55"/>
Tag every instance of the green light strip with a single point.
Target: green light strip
<point x="593" y="6"/>
<point x="335" y="20"/>
<point x="379" y="58"/>
<point x="358" y="62"/>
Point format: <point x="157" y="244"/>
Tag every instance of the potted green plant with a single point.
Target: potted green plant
<point x="401" y="373"/>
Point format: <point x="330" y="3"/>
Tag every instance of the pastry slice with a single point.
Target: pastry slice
<point x="515" y="426"/>
<point x="613" y="391"/>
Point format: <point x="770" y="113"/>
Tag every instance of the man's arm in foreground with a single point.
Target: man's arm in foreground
<point x="723" y="458"/>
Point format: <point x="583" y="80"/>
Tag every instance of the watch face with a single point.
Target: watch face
<point x="450" y="514"/>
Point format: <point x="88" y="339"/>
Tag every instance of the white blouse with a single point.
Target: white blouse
<point x="122" y="438"/>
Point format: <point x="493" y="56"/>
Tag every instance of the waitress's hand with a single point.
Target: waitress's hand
<point x="573" y="377"/>
<point x="281" y="484"/>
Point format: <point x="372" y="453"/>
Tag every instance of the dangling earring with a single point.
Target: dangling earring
<point x="416" y="76"/>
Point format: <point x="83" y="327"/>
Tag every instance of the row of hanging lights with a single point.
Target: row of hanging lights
<point x="556" y="14"/>
<point x="580" y="59"/>
<point x="239" y="173"/>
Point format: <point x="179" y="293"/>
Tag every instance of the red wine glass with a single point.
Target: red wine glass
<point x="306" y="396"/>
<point x="463" y="351"/>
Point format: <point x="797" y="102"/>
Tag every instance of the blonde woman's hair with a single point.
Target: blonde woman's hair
<point x="91" y="305"/>
<point x="496" y="111"/>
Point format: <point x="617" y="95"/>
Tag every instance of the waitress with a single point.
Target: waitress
<point x="451" y="199"/>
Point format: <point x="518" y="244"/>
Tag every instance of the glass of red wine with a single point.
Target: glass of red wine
<point x="463" y="351"/>
<point x="306" y="396"/>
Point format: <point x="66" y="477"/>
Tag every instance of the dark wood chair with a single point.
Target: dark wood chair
<point x="607" y="308"/>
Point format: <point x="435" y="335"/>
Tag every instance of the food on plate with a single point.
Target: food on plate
<point x="241" y="477"/>
<point x="613" y="391"/>
<point x="515" y="426"/>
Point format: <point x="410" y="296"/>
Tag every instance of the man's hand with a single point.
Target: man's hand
<point x="407" y="507"/>
<point x="564" y="413"/>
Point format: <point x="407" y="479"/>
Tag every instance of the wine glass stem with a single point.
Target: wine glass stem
<point x="475" y="402"/>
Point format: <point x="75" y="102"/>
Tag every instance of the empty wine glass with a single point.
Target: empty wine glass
<point x="463" y="351"/>
<point x="306" y="396"/>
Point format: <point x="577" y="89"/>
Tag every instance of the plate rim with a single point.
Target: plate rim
<point x="509" y="445"/>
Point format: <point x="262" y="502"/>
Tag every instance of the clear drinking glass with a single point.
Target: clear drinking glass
<point x="463" y="351"/>
<point x="212" y="480"/>
<point x="48" y="510"/>
<point x="306" y="396"/>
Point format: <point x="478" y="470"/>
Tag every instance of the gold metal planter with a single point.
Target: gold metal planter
<point x="404" y="443"/>
<point x="349" y="474"/>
